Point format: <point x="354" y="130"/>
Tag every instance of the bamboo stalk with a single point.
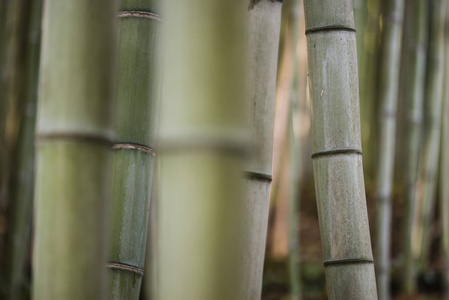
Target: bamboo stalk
<point x="74" y="133"/>
<point x="432" y="126"/>
<point x="388" y="93"/>
<point x="21" y="206"/>
<point x="12" y="93"/>
<point x="337" y="160"/>
<point x="134" y="150"/>
<point x="201" y="208"/>
<point x="415" y="41"/>
<point x="295" y="159"/>
<point x="444" y="167"/>
<point x="263" y="40"/>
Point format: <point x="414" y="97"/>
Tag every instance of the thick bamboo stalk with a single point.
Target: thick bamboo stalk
<point x="432" y="126"/>
<point x="21" y="206"/>
<point x="202" y="142"/>
<point x="337" y="159"/>
<point x="444" y="164"/>
<point x="388" y="94"/>
<point x="74" y="133"/>
<point x="415" y="46"/>
<point x="263" y="40"/>
<point x="134" y="150"/>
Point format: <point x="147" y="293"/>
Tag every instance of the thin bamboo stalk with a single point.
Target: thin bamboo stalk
<point x="444" y="164"/>
<point x="201" y="208"/>
<point x="21" y="206"/>
<point x="432" y="126"/>
<point x="415" y="49"/>
<point x="388" y="94"/>
<point x="74" y="133"/>
<point x="12" y="88"/>
<point x="337" y="161"/>
<point x="263" y="41"/>
<point x="134" y="149"/>
<point x="295" y="160"/>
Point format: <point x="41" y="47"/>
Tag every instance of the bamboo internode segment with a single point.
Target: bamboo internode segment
<point x="125" y="267"/>
<point x="139" y="14"/>
<point x="339" y="182"/>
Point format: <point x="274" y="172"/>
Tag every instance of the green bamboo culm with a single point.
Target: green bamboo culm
<point x="432" y="125"/>
<point x="388" y="95"/>
<point x="415" y="49"/>
<point x="74" y="133"/>
<point x="337" y="160"/>
<point x="263" y="40"/>
<point x="444" y="163"/>
<point x="202" y="143"/>
<point x="22" y="195"/>
<point x="134" y="149"/>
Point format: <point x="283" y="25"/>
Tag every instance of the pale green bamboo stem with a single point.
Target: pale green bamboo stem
<point x="134" y="150"/>
<point x="369" y="89"/>
<point x="415" y="46"/>
<point x="388" y="94"/>
<point x="337" y="161"/>
<point x="295" y="161"/>
<point x="432" y="127"/>
<point x="21" y="206"/>
<point x="74" y="133"/>
<point x="201" y="212"/>
<point x="444" y="164"/>
<point x="263" y="40"/>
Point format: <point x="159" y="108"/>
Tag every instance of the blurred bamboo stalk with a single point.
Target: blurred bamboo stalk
<point x="388" y="94"/>
<point x="22" y="194"/>
<point x="12" y="92"/>
<point x="201" y="213"/>
<point x="432" y="126"/>
<point x="415" y="49"/>
<point x="134" y="150"/>
<point x="368" y="65"/>
<point x="338" y="171"/>
<point x="74" y="133"/>
<point x="295" y="158"/>
<point x="444" y="163"/>
<point x="263" y="45"/>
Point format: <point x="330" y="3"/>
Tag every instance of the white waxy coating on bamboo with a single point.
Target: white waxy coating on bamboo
<point x="338" y="174"/>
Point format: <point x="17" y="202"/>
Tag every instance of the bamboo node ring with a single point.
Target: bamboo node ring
<point x="346" y="261"/>
<point x="132" y="146"/>
<point x="330" y="28"/>
<point x="259" y="176"/>
<point x="125" y="267"/>
<point x="337" y="152"/>
<point x="139" y="14"/>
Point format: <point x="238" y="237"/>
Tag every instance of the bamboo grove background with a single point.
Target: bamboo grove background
<point x="212" y="149"/>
